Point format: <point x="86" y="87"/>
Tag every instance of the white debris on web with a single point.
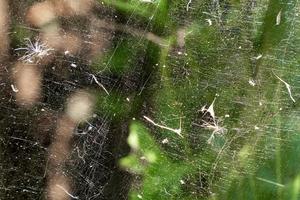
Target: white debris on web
<point x="68" y="193"/>
<point x="203" y="109"/>
<point x="252" y="82"/>
<point x="98" y="83"/>
<point x="258" y="57"/>
<point x="14" y="88"/>
<point x="165" y="141"/>
<point x="216" y="129"/>
<point x="288" y="87"/>
<point x="214" y="124"/>
<point x="34" y="51"/>
<point x="209" y="21"/>
<point x="188" y="5"/>
<point x="278" y="18"/>
<point x="147" y="1"/>
<point x="211" y="111"/>
<point x="73" y="65"/>
<point x="177" y="131"/>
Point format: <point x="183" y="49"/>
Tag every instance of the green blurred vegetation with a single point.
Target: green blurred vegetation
<point x="235" y="52"/>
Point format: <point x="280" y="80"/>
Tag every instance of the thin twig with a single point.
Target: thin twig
<point x="278" y="18"/>
<point x="98" y="83"/>
<point x="188" y="5"/>
<point x="177" y="131"/>
<point x="14" y="88"/>
<point x="288" y="87"/>
<point x="69" y="194"/>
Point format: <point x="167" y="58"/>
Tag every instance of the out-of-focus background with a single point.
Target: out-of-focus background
<point x="149" y="99"/>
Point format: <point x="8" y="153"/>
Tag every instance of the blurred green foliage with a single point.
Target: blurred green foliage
<point x="235" y="52"/>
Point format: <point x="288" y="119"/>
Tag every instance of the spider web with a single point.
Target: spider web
<point x="233" y="73"/>
<point x="98" y="143"/>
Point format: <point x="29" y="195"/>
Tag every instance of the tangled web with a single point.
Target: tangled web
<point x="215" y="82"/>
